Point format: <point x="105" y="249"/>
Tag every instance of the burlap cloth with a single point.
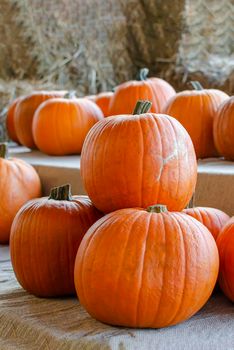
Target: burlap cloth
<point x="30" y="323"/>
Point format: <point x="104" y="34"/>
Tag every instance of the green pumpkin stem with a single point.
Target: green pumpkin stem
<point x="70" y="94"/>
<point x="143" y="73"/>
<point x="61" y="193"/>
<point x="142" y="107"/>
<point x="4" y="150"/>
<point x="196" y="85"/>
<point x="157" y="208"/>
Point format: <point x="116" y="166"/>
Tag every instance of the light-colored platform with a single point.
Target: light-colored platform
<point x="215" y="185"/>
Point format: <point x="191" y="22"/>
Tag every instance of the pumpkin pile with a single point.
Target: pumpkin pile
<point x="131" y="251"/>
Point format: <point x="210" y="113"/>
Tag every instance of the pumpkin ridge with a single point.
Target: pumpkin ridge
<point x="162" y="227"/>
<point x="181" y="232"/>
<point x="147" y="225"/>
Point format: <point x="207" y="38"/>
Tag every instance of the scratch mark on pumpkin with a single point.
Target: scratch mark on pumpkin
<point x="164" y="161"/>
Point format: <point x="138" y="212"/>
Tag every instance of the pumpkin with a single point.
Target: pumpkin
<point x="224" y="129"/>
<point x="156" y="90"/>
<point x="45" y="236"/>
<point x="195" y="110"/>
<point x="103" y="101"/>
<point x="19" y="183"/>
<point x="137" y="160"/>
<point x="10" y="120"/>
<point x="145" y="268"/>
<point x="225" y="243"/>
<point x="213" y="219"/>
<point x="60" y="125"/>
<point x="24" y="114"/>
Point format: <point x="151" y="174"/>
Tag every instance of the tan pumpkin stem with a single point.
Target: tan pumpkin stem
<point x="70" y="94"/>
<point x="4" y="150"/>
<point x="191" y="203"/>
<point x="142" y="107"/>
<point x="157" y="208"/>
<point x="143" y="73"/>
<point x="196" y="85"/>
<point x="61" y="193"/>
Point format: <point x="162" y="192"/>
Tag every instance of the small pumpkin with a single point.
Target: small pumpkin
<point x="24" y="113"/>
<point x="225" y="243"/>
<point x="214" y="219"/>
<point x="103" y="101"/>
<point x="224" y="129"/>
<point x="145" y="268"/>
<point x="45" y="236"/>
<point x="10" y="120"/>
<point x="137" y="160"/>
<point x="195" y="110"/>
<point x="19" y="183"/>
<point x="60" y="125"/>
<point x="126" y="95"/>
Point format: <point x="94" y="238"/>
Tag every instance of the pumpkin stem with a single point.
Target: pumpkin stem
<point x="157" y="208"/>
<point x="4" y="150"/>
<point x="70" y="94"/>
<point x="61" y="193"/>
<point x="143" y="73"/>
<point x="196" y="85"/>
<point x="191" y="203"/>
<point x="142" y="107"/>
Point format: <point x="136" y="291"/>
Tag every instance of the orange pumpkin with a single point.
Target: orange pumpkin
<point x="145" y="268"/>
<point x="10" y="120"/>
<point x="45" y="236"/>
<point x="195" y="110"/>
<point x="103" y="101"/>
<point x="60" y="125"/>
<point x="225" y="243"/>
<point x="19" y="183"/>
<point x="24" y="114"/>
<point x="137" y="160"/>
<point x="224" y="129"/>
<point x="213" y="219"/>
<point x="126" y="95"/>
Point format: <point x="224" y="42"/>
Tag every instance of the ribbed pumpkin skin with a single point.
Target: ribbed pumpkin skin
<point x="24" y="114"/>
<point x="195" y="110"/>
<point x="44" y="240"/>
<point x="224" y="129"/>
<point x="103" y="102"/>
<point x="19" y="183"/>
<point x="225" y="243"/>
<point x="136" y="161"/>
<point x="213" y="219"/>
<point x="10" y="120"/>
<point x="140" y="269"/>
<point x="155" y="90"/>
<point x="60" y="125"/>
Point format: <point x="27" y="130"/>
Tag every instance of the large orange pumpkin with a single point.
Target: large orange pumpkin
<point x="60" y="125"/>
<point x="137" y="160"/>
<point x="103" y="101"/>
<point x="45" y="236"/>
<point x="225" y="243"/>
<point x="19" y="183"/>
<point x="195" y="110"/>
<point x="145" y="268"/>
<point x="24" y="114"/>
<point x="224" y="129"/>
<point x="214" y="219"/>
<point x="126" y="95"/>
<point x="10" y="120"/>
